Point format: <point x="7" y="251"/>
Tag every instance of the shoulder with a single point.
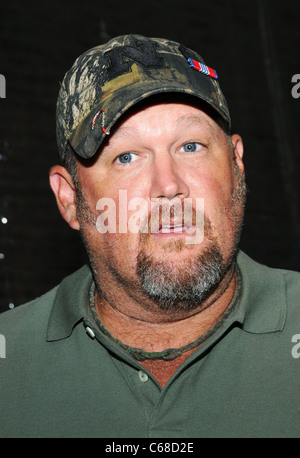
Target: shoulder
<point x="29" y="314"/>
<point x="34" y="315"/>
<point x="249" y="264"/>
<point x="253" y="269"/>
<point x="275" y="290"/>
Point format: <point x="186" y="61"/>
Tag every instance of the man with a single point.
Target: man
<point x="170" y="331"/>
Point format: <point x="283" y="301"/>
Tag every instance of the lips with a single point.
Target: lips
<point x="177" y="217"/>
<point x="172" y="228"/>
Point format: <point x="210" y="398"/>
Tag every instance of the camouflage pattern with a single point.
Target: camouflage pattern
<point x="107" y="80"/>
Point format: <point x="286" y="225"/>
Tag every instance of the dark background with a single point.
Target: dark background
<point x="253" y="45"/>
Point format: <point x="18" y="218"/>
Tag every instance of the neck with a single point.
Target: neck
<point x="158" y="331"/>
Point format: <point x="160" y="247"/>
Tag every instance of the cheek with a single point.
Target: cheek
<point x="132" y="206"/>
<point x="110" y="198"/>
<point x="120" y="253"/>
<point x="118" y="204"/>
<point x="216" y="188"/>
<point x="111" y="250"/>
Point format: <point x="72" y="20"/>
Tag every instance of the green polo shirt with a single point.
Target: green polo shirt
<point x="62" y="377"/>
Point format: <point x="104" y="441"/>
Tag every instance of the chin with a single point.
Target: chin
<point x="182" y="285"/>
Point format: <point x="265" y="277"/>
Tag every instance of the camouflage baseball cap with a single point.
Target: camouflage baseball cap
<point x="107" y="80"/>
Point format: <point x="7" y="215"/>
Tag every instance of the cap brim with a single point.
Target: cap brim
<point x="89" y="135"/>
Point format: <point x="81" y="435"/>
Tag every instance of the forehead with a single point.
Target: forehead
<point x="160" y="116"/>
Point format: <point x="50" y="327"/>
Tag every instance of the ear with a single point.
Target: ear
<point x="64" y="190"/>
<point x="238" y="151"/>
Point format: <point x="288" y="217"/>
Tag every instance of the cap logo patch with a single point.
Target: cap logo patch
<point x="202" y="68"/>
<point x="122" y="57"/>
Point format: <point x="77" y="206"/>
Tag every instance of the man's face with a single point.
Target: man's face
<point x="166" y="153"/>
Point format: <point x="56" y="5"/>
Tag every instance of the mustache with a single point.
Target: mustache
<point x="178" y="214"/>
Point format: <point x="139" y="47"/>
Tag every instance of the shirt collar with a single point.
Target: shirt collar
<point x="261" y="308"/>
<point x="70" y="304"/>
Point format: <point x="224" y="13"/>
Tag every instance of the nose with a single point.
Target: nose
<point x="167" y="179"/>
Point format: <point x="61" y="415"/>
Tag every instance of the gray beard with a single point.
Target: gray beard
<point x="186" y="287"/>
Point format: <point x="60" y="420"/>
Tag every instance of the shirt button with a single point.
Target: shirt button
<point x="143" y="377"/>
<point x="90" y="332"/>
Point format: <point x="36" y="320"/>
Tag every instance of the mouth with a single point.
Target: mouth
<point x="173" y="228"/>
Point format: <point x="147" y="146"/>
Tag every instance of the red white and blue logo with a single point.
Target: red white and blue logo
<point x="202" y="68"/>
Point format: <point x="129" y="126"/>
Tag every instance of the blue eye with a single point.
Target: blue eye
<point x="126" y="158"/>
<point x="191" y="147"/>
